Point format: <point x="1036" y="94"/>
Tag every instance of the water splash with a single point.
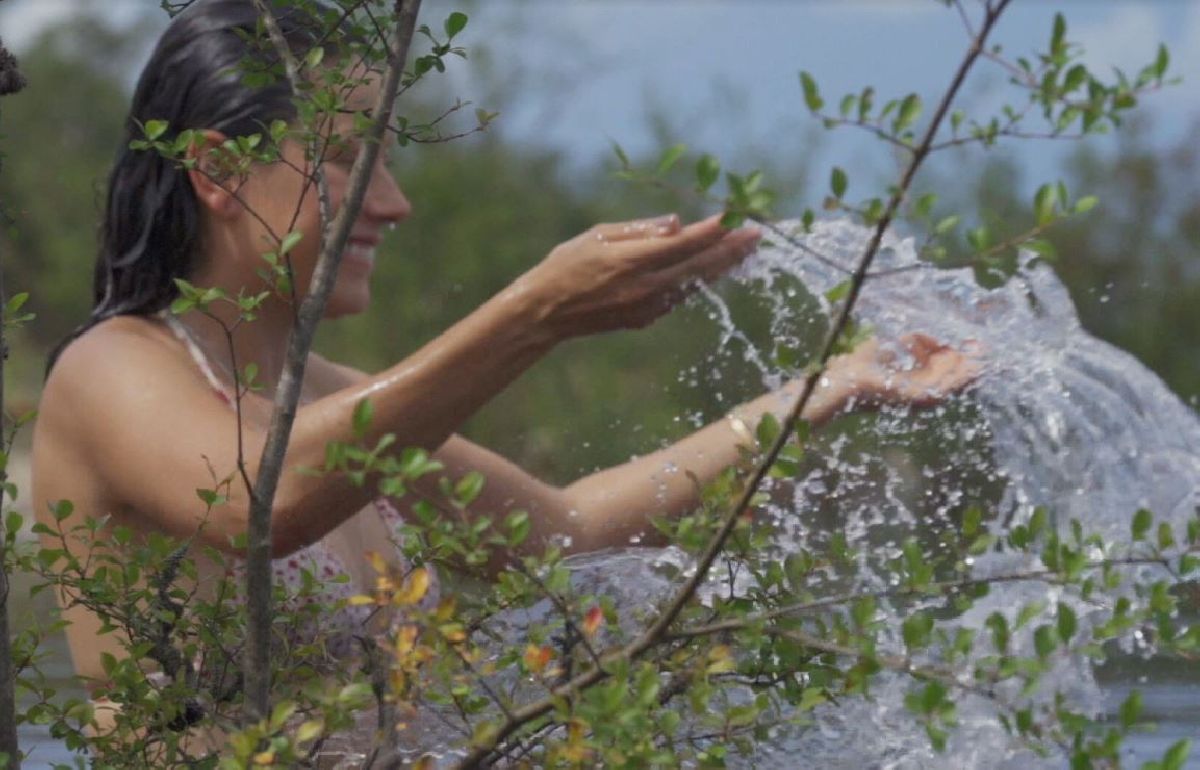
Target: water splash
<point x="1058" y="419"/>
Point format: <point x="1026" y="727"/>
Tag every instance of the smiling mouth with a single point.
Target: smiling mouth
<point x="361" y="253"/>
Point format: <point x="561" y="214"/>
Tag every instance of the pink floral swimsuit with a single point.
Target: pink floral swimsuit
<point x="319" y="559"/>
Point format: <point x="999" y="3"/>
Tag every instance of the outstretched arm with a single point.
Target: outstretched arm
<point x="125" y="402"/>
<point x="610" y="507"/>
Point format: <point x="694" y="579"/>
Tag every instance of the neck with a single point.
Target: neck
<point x="232" y="343"/>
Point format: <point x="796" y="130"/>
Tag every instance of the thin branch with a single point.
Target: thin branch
<point x="657" y="630"/>
<point x="966" y="19"/>
<point x="334" y="237"/>
<point x="559" y="604"/>
<point x="933" y="589"/>
<point x="715" y="546"/>
<point x="871" y="128"/>
<point x="482" y="681"/>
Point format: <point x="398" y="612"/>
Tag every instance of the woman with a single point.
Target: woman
<point x="136" y="413"/>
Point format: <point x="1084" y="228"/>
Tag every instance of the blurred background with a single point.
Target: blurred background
<point x="569" y="78"/>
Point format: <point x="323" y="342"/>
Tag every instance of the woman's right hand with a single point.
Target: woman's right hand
<point x="626" y="275"/>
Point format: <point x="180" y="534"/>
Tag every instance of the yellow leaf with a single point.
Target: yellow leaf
<point x="309" y="730"/>
<point x="414" y="589"/>
<point x="361" y="599"/>
<point x="264" y="758"/>
<point x="377" y="562"/>
<point x="445" y="609"/>
<point x="720" y="660"/>
<point x="406" y="639"/>
<point x="536" y="658"/>
<point x="453" y="633"/>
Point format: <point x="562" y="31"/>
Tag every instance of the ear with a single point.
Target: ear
<point x="209" y="180"/>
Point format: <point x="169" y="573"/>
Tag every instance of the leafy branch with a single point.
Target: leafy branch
<point x="660" y="627"/>
<point x="334" y="237"/>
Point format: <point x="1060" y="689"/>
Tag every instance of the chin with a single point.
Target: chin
<point x="343" y="304"/>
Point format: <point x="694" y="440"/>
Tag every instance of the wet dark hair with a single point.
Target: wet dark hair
<point x="195" y="79"/>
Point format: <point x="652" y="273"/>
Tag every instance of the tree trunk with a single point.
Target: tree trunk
<point x="11" y="81"/>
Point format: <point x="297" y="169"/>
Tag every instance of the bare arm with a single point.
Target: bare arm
<point x="150" y="431"/>
<point x="610" y="507"/>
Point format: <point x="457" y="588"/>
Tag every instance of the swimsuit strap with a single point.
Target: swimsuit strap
<point x="202" y="363"/>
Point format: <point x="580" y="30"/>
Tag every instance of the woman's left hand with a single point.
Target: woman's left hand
<point x="916" y="371"/>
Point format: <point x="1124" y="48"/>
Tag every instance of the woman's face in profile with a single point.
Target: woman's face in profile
<point x="285" y="196"/>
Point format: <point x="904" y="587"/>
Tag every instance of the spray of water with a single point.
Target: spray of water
<point x="1058" y="419"/>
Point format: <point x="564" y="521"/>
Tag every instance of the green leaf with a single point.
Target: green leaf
<point x="315" y="57"/>
<point x="1045" y="203"/>
<point x="1058" y="35"/>
<point x="669" y="158"/>
<point x="1162" y="61"/>
<point x="972" y="518"/>
<point x="767" y="430"/>
<point x="839" y="292"/>
<point x="979" y="238"/>
<point x="1177" y="755"/>
<point x="364" y="412"/>
<point x="455" y="23"/>
<point x="863" y="611"/>
<point x="849" y="101"/>
<point x="1044" y="641"/>
<point x="917" y="630"/>
<point x="155" y="129"/>
<point x="1068" y="623"/>
<point x="708" y="171"/>
<point x="732" y="219"/>
<point x="621" y="156"/>
<point x="1000" y="633"/>
<point x="15" y="303"/>
<point x="924" y="205"/>
<point x="838" y="182"/>
<point x="946" y="225"/>
<point x="1166" y="536"/>
<point x="1042" y="247"/>
<point x="812" y="96"/>
<point x="1086" y="204"/>
<point x="1076" y="77"/>
<point x="281" y="714"/>
<point x="289" y="242"/>
<point x="467" y="490"/>
<point x="865" y="102"/>
<point x="518" y="525"/>
<point x="910" y="110"/>
<point x="1142" y="520"/>
<point x="1131" y="709"/>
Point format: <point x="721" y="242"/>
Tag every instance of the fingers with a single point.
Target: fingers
<point x="689" y="242"/>
<point x="682" y="278"/>
<point x="922" y="346"/>
<point x="638" y="229"/>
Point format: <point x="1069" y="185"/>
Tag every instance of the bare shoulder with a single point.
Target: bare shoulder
<point x="110" y="348"/>
<point x="110" y="368"/>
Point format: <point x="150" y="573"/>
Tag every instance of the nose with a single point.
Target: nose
<point x="385" y="201"/>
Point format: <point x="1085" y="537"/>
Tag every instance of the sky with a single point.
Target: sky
<point x="725" y="71"/>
